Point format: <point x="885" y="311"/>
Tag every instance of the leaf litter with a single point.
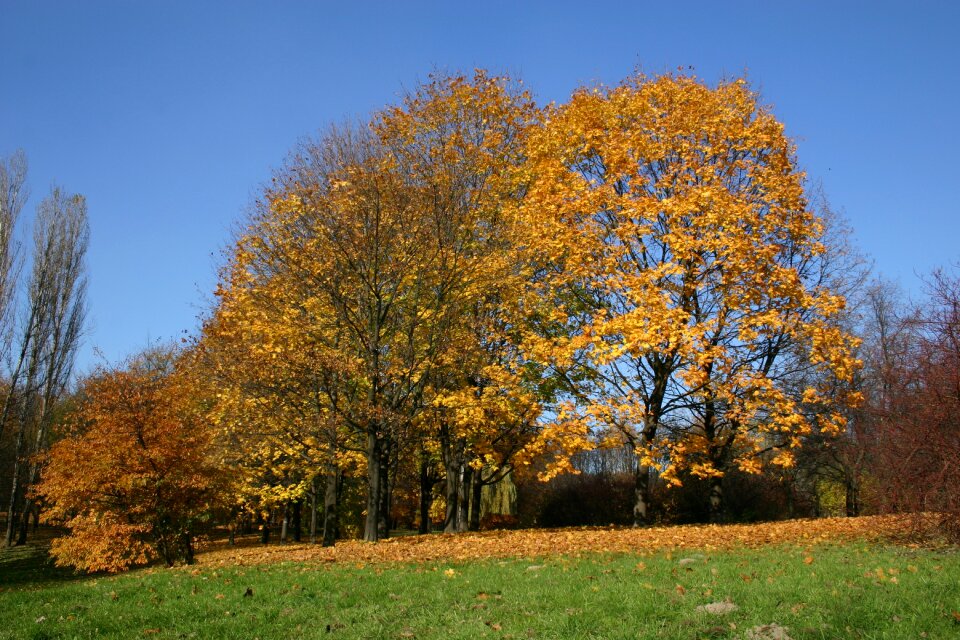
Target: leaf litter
<point x="540" y="543"/>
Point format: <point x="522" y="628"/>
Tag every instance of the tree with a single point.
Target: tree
<point x="134" y="476"/>
<point x="912" y="403"/>
<point x="672" y="222"/>
<point x="13" y="197"/>
<point x="378" y="252"/>
<point x="50" y="332"/>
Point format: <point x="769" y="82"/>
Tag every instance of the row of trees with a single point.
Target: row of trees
<point x="41" y="323"/>
<point x="469" y="286"/>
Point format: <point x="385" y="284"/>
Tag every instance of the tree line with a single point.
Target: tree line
<point x="470" y="288"/>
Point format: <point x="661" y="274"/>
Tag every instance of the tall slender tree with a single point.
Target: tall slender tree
<point x="50" y="334"/>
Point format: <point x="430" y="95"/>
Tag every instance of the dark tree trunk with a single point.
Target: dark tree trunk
<point x="314" y="489"/>
<point x="852" y="497"/>
<point x="383" y="522"/>
<point x="426" y="496"/>
<point x="374" y="484"/>
<point x="28" y="510"/>
<point x="475" y="497"/>
<point x="14" y="507"/>
<point x="463" y="499"/>
<point x="297" y="519"/>
<point x="717" y="507"/>
<point x="265" y="529"/>
<point x="452" y="494"/>
<point x="331" y="500"/>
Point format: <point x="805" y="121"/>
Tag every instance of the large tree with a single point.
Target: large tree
<point x="673" y="219"/>
<point x="381" y="252"/>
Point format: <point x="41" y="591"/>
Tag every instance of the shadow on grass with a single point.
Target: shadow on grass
<point x="30" y="565"/>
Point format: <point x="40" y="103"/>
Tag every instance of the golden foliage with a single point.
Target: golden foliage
<point x="682" y="284"/>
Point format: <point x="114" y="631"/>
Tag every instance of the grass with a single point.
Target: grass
<point x="823" y="590"/>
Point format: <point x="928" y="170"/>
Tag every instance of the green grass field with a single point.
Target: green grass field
<point x="851" y="590"/>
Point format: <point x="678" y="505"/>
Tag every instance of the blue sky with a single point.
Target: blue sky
<point x="168" y="115"/>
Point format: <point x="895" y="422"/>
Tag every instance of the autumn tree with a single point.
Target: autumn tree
<point x="275" y="426"/>
<point x="378" y="255"/>
<point x="134" y="478"/>
<point x="672" y="220"/>
<point x="462" y="141"/>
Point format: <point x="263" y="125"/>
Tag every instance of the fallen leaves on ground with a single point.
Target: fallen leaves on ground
<point x="531" y="543"/>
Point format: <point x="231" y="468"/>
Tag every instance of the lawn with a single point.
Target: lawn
<point x="827" y="583"/>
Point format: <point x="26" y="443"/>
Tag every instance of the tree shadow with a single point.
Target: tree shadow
<point x="30" y="565"/>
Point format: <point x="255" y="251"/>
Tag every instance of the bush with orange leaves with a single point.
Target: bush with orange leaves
<point x="133" y="479"/>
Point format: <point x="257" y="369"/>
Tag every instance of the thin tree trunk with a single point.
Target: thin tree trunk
<point x="852" y="497"/>
<point x="13" y="514"/>
<point x="297" y="519"/>
<point x="265" y="529"/>
<point x="463" y="499"/>
<point x="313" y="511"/>
<point x="370" y="528"/>
<point x="34" y="470"/>
<point x="383" y="521"/>
<point x="426" y="496"/>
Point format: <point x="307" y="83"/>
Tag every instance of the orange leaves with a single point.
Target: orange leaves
<point x="135" y="473"/>
<point x="534" y="543"/>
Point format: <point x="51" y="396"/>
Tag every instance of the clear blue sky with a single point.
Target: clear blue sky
<point x="168" y="115"/>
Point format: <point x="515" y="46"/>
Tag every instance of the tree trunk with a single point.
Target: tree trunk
<point x="476" y="495"/>
<point x="313" y="511"/>
<point x="13" y="514"/>
<point x="426" y="496"/>
<point x="28" y="508"/>
<point x="383" y="522"/>
<point x="187" y="545"/>
<point x="641" y="495"/>
<point x="717" y="507"/>
<point x="265" y="529"/>
<point x="297" y="519"/>
<point x="452" y="494"/>
<point x="370" y="527"/>
<point x="463" y="499"/>
<point x="331" y="501"/>
<point x="852" y="497"/>
<point x="283" y="523"/>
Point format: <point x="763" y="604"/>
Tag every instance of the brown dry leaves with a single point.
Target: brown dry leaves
<point x="532" y="543"/>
